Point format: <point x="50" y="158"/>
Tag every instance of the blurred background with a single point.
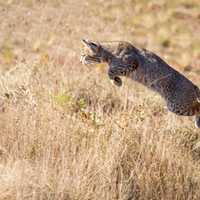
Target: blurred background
<point x="65" y="132"/>
<point x="54" y="28"/>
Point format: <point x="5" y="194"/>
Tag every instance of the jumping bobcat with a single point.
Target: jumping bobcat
<point x="181" y="95"/>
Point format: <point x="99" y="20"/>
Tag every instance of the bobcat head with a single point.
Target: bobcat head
<point x="120" y="59"/>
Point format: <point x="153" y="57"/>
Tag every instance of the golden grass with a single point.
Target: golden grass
<point x="65" y="132"/>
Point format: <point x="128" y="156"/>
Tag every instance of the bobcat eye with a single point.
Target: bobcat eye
<point x="126" y="59"/>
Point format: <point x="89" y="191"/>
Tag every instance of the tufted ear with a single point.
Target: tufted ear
<point x="92" y="45"/>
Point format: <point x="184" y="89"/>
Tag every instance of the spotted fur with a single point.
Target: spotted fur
<point x="181" y="95"/>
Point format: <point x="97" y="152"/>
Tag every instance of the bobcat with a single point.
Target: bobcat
<point x="181" y="95"/>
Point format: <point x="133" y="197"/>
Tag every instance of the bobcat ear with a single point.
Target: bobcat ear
<point x="92" y="45"/>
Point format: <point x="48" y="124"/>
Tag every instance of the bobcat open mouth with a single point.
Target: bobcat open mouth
<point x="89" y="59"/>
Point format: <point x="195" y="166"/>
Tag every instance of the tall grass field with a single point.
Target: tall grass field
<point x="67" y="133"/>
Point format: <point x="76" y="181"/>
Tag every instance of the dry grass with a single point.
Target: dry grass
<point x="65" y="132"/>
